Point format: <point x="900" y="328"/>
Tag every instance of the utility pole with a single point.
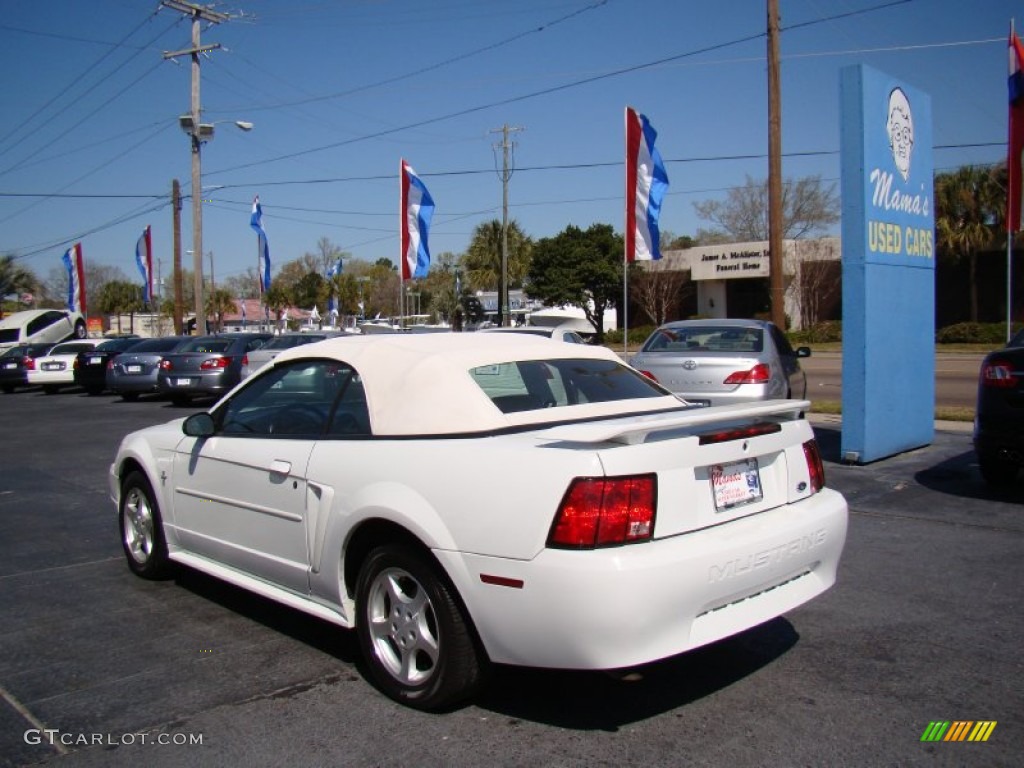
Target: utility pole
<point x="199" y="134"/>
<point x="178" y="287"/>
<point x="775" y="255"/>
<point x="506" y="174"/>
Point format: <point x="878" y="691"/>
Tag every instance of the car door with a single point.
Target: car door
<point x="241" y="495"/>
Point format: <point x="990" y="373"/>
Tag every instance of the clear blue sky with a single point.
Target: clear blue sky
<point x="340" y="90"/>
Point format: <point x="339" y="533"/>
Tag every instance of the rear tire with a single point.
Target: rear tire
<point x="8" y="389"/>
<point x="179" y="400"/>
<point x="49" y="389"/>
<point x="419" y="647"/>
<point x="142" y="531"/>
<point x="130" y="397"/>
<point x="997" y="472"/>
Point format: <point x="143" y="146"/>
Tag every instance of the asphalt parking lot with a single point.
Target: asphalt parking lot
<point x="98" y="667"/>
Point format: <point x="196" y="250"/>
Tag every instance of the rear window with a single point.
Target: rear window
<point x="210" y="346"/>
<point x="164" y="344"/>
<point x="7" y="335"/>
<point x="535" y="384"/>
<point x="72" y="348"/>
<point x="287" y="342"/>
<point x="705" y="338"/>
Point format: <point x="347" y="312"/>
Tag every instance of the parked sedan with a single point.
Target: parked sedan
<point x="91" y="365"/>
<point x="56" y="369"/>
<point x="999" y="416"/>
<point x="256" y="359"/>
<point x="16" y="362"/>
<point x="558" y="333"/>
<point x="134" y="372"/>
<point x="206" y="365"/>
<point x="459" y="502"/>
<point x="716" y="362"/>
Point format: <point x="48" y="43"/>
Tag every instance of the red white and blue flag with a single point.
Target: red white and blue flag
<point x="1015" y="155"/>
<point x="144" y="260"/>
<point x="76" y="278"/>
<point x="256" y="222"/>
<point x="416" y="212"/>
<point x="646" y="183"/>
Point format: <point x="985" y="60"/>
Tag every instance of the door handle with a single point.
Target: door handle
<point x="280" y="467"/>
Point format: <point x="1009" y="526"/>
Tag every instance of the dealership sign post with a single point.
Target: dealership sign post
<point x="888" y="266"/>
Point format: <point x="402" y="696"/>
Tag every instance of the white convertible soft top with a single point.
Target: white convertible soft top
<point x="419" y="384"/>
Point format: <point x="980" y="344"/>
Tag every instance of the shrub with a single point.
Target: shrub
<point x="637" y="335"/>
<point x="973" y="333"/>
<point x="819" y="333"/>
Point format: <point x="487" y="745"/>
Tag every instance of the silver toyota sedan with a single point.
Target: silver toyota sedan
<point x="722" y="361"/>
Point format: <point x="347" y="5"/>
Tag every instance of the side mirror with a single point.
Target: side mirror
<point x="199" y="425"/>
<point x="803" y="351"/>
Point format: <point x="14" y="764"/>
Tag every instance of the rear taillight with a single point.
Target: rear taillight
<point x="28" y="363"/>
<point x="214" y="363"/>
<point x="759" y="374"/>
<point x="739" y="433"/>
<point x="165" y="365"/>
<point x="245" y="360"/>
<point x="815" y="468"/>
<point x="110" y="364"/>
<point x="605" y="511"/>
<point x="998" y="374"/>
<point x="649" y="375"/>
<point x="74" y="365"/>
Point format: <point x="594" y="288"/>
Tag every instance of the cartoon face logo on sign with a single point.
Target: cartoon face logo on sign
<point x="900" y="127"/>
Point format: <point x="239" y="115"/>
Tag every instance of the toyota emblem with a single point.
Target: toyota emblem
<point x="689" y="364"/>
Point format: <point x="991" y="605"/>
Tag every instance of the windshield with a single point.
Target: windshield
<point x="72" y="348"/>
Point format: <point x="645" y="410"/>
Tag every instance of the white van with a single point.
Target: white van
<point x="40" y="326"/>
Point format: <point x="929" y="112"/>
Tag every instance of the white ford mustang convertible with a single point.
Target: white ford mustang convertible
<point x="462" y="499"/>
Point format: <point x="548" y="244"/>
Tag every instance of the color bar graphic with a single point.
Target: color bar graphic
<point x="958" y="730"/>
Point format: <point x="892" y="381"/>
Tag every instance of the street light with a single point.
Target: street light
<point x="199" y="133"/>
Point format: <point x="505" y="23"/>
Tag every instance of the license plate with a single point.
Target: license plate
<point x="95" y="360"/>
<point x="183" y="382"/>
<point x="735" y="484"/>
<point x="53" y="366"/>
<point x="133" y="368"/>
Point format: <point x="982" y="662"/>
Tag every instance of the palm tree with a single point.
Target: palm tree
<point x="218" y="303"/>
<point x="483" y="258"/>
<point x="969" y="205"/>
<point x="14" y="278"/>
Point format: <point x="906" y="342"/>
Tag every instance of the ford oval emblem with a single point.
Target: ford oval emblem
<point x="689" y="364"/>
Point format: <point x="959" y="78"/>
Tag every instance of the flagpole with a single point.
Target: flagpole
<point x="1009" y="198"/>
<point x="1010" y="233"/>
<point x="625" y="245"/>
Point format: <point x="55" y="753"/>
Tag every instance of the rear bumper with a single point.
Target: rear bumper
<point x="620" y="607"/>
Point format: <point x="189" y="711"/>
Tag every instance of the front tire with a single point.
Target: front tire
<point x="142" y="533"/>
<point x="417" y="643"/>
<point x="80" y="330"/>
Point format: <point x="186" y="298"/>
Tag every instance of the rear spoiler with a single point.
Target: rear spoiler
<point x="635" y="429"/>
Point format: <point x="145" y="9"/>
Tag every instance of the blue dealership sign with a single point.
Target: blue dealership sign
<point x="888" y="266"/>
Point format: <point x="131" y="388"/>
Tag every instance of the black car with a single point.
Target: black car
<point x="16" y="361"/>
<point x="91" y="366"/>
<point x="999" y="417"/>
<point x="206" y="365"/>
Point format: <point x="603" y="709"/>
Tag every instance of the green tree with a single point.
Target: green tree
<point x="969" y="209"/>
<point x="278" y="297"/>
<point x="809" y="207"/>
<point x="14" y="278"/>
<point x="582" y="268"/>
<point x="439" y="287"/>
<point x="119" y="297"/>
<point x="482" y="262"/>
<point x="219" y="303"/>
